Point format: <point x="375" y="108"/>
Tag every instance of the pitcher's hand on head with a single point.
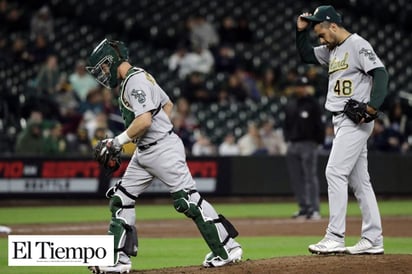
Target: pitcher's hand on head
<point x="302" y="23"/>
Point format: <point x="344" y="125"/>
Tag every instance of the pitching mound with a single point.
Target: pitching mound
<point x="388" y="264"/>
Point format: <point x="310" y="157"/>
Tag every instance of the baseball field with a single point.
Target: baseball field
<point x="170" y="243"/>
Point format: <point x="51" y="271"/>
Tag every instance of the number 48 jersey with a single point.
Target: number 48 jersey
<point x="348" y="65"/>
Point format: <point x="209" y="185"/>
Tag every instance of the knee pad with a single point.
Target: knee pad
<point x="125" y="235"/>
<point x="183" y="205"/>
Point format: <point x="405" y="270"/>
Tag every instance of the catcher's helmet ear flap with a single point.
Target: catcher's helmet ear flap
<point x="104" y="60"/>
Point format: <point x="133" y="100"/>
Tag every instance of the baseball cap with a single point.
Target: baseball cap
<point x="325" y="13"/>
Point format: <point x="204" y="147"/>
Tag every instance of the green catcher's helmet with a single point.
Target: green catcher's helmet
<point x="104" y="61"/>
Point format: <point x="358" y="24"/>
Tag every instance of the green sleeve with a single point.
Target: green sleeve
<point x="379" y="87"/>
<point x="305" y="48"/>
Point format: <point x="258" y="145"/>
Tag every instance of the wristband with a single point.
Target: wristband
<point x="123" y="138"/>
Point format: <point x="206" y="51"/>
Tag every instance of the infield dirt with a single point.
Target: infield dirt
<point x="345" y="264"/>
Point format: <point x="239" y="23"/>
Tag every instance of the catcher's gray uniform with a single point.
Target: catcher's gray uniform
<point x="160" y="154"/>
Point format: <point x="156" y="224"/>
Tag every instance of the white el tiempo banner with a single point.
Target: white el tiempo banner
<point x="61" y="250"/>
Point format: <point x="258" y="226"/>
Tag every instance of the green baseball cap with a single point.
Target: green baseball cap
<point x="325" y="13"/>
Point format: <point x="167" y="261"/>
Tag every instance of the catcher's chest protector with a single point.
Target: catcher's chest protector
<point x="125" y="108"/>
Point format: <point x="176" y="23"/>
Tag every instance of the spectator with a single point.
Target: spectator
<point x="42" y="23"/>
<point x="195" y="89"/>
<point x="267" y="84"/>
<point x="94" y="102"/>
<point x="198" y="60"/>
<point x="182" y="107"/>
<point x="175" y="61"/>
<point x="233" y="91"/>
<point x="18" y="50"/>
<point x="97" y="126"/>
<point x="387" y="139"/>
<point x="286" y="84"/>
<point x="225" y="59"/>
<point x="203" y="146"/>
<point x="317" y="80"/>
<point x="183" y="132"/>
<point x="30" y="140"/>
<point x="203" y="33"/>
<point x="251" y="143"/>
<point x="396" y="118"/>
<point x="244" y="33"/>
<point x="228" y="32"/>
<point x="12" y="16"/>
<point x="248" y="81"/>
<point x="48" y="77"/>
<point x="68" y="105"/>
<point x="229" y="147"/>
<point x="55" y="142"/>
<point x="38" y="50"/>
<point x="79" y="143"/>
<point x="81" y="81"/>
<point x="329" y="135"/>
<point x="100" y="133"/>
<point x="272" y="139"/>
<point x="304" y="130"/>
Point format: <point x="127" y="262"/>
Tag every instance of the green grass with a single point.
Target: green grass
<point x="167" y="252"/>
<point x="64" y="214"/>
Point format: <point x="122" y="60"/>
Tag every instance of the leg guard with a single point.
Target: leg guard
<point x="216" y="230"/>
<point x="122" y="226"/>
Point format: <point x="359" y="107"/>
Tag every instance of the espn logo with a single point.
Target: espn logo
<point x="60" y="250"/>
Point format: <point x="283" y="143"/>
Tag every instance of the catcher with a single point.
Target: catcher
<point x="160" y="154"/>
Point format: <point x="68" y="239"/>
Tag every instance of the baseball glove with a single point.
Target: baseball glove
<point x="107" y="153"/>
<point x="356" y="111"/>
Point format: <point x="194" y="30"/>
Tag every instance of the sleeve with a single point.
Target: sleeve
<point x="368" y="60"/>
<point x="139" y="96"/>
<point x="371" y="64"/>
<point x="379" y="87"/>
<point x="305" y="48"/>
<point x="322" y="54"/>
<point x="164" y="98"/>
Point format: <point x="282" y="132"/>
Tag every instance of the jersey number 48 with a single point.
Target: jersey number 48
<point x="343" y="88"/>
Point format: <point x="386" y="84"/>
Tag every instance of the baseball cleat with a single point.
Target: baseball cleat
<point x="314" y="216"/>
<point x="235" y="255"/>
<point x="364" y="246"/>
<point x="299" y="215"/>
<point x="115" y="269"/>
<point x="327" y="246"/>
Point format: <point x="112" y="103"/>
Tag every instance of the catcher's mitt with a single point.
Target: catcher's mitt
<point x="356" y="111"/>
<point x="107" y="153"/>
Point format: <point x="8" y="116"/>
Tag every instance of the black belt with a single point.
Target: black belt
<point x="336" y="113"/>
<point x="144" y="147"/>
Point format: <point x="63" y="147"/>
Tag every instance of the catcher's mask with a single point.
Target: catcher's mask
<point x="104" y="61"/>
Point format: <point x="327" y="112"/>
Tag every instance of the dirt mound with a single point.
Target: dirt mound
<point x="337" y="264"/>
